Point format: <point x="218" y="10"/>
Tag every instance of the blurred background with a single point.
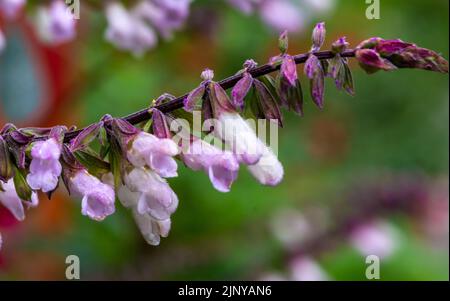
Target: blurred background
<point x="367" y="175"/>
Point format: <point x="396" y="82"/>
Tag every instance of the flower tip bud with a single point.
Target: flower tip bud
<point x="283" y="42"/>
<point x="340" y="45"/>
<point x="207" y="74"/>
<point x="250" y="64"/>
<point x="318" y="36"/>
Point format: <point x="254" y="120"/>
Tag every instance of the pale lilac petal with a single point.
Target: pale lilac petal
<point x="151" y="229"/>
<point x="99" y="203"/>
<point x="306" y="269"/>
<point x="11" y="200"/>
<point x="97" y="197"/>
<point x="55" y="24"/>
<point x="240" y="137"/>
<point x="221" y="177"/>
<point x="164" y="165"/>
<point x="374" y="238"/>
<point x="268" y="171"/>
<point x="282" y="15"/>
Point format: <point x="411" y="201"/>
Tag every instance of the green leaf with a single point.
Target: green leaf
<point x="22" y="188"/>
<point x="6" y="166"/>
<point x="93" y="163"/>
<point x="348" y="83"/>
<point x="115" y="161"/>
<point x="86" y="137"/>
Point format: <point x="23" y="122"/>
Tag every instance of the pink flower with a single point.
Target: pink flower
<point x="97" y="197"/>
<point x="374" y="238"/>
<point x="281" y="15"/>
<point x="149" y="150"/>
<point x="126" y="31"/>
<point x="151" y="229"/>
<point x="165" y="16"/>
<point x="149" y="194"/>
<point x="56" y="25"/>
<point x="221" y="166"/>
<point x="12" y="202"/>
<point x="45" y="168"/>
<point x="11" y="7"/>
<point x="306" y="269"/>
<point x="152" y="202"/>
<point x="240" y="137"/>
<point x="268" y="171"/>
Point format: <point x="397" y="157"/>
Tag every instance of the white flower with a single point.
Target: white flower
<point x="240" y="137"/>
<point x="45" y="168"/>
<point x="374" y="238"/>
<point x="268" y="171"/>
<point x="221" y="166"/>
<point x="149" y="150"/>
<point x="97" y="197"/>
<point x="12" y="202"/>
<point x="151" y="201"/>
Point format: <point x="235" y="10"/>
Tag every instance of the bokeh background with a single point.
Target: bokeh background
<point x="389" y="143"/>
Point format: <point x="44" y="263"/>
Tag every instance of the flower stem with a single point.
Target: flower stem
<point x="144" y="114"/>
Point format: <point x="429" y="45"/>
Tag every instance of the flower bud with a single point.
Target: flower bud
<point x="283" y="42"/>
<point x="318" y="36"/>
<point x="407" y="55"/>
<point x="371" y="61"/>
<point x="207" y="74"/>
<point x="340" y="45"/>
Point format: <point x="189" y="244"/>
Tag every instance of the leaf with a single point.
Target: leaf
<point x="22" y="188"/>
<point x="85" y="137"/>
<point x="160" y="126"/>
<point x="270" y="84"/>
<point x="220" y="101"/>
<point x="93" y="163"/>
<point x="295" y="98"/>
<point x="348" y="82"/>
<point x="148" y="125"/>
<point x="267" y="103"/>
<point x="252" y="108"/>
<point x="6" y="166"/>
<point x="291" y="97"/>
<point x="194" y="99"/>
<point x="115" y="161"/>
